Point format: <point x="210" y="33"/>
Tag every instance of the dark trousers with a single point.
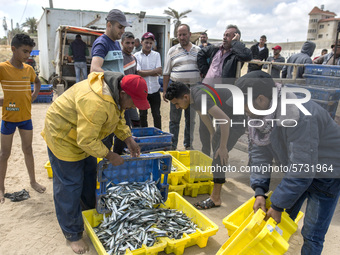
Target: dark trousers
<point x="155" y="104"/>
<point x="74" y="187"/>
<point x="205" y="138"/>
<point x="119" y="145"/>
<point x="175" y="119"/>
<point x="234" y="135"/>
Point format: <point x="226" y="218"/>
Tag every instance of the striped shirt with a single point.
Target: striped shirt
<point x="16" y="85"/>
<point x="130" y="64"/>
<point x="181" y="64"/>
<point x="110" y="51"/>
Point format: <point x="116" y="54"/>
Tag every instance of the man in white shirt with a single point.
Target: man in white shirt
<point x="149" y="67"/>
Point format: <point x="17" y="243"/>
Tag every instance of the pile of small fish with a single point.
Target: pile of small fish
<point x="134" y="221"/>
<point x="126" y="195"/>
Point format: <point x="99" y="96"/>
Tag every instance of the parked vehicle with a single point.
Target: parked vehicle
<point x="55" y="23"/>
<point x="64" y="66"/>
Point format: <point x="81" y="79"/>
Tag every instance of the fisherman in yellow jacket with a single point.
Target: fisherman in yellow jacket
<point x="75" y="125"/>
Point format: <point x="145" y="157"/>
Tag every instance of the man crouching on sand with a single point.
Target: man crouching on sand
<point x="75" y="125"/>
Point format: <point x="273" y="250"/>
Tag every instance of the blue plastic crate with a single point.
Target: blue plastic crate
<point x="160" y="81"/>
<point x="328" y="81"/>
<point x="150" y="135"/>
<point x="35" y="52"/>
<point x="147" y="147"/>
<point x="329" y="106"/>
<point x="325" y="70"/>
<point x="44" y="87"/>
<point x="318" y="92"/>
<point x="155" y="147"/>
<point x="134" y="170"/>
<point x="44" y="99"/>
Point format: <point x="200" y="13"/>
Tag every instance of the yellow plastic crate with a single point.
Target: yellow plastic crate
<point x="197" y="164"/>
<point x="198" y="188"/>
<point x="206" y="229"/>
<point x="175" y="177"/>
<point x="234" y="220"/>
<point x="93" y="219"/>
<point x="49" y="169"/>
<point x="250" y="234"/>
<point x="177" y="188"/>
<point x="255" y="236"/>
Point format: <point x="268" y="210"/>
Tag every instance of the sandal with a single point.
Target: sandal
<point x="205" y="204"/>
<point x="18" y="196"/>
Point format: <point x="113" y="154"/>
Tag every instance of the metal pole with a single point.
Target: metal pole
<point x="51" y="3"/>
<point x="336" y="42"/>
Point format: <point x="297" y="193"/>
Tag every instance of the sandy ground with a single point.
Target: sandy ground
<point x="30" y="227"/>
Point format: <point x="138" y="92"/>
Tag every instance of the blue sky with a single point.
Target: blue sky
<point x="281" y="21"/>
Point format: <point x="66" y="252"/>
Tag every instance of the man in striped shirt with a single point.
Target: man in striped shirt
<point x="130" y="67"/>
<point x="181" y="66"/>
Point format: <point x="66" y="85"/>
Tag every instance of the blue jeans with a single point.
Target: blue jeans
<point x="319" y="212"/>
<point x="80" y="67"/>
<point x="175" y="118"/>
<point x="74" y="187"/>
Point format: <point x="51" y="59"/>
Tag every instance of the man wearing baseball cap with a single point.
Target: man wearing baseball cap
<point x="149" y="66"/>
<point x="75" y="125"/>
<point x="276" y="69"/>
<point x="106" y="52"/>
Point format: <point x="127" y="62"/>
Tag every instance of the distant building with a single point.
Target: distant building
<point x="322" y="27"/>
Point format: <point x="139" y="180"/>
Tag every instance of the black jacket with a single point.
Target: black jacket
<point x="261" y="55"/>
<point x="239" y="52"/>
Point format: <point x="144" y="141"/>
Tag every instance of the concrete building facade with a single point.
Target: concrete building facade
<point x="322" y="27"/>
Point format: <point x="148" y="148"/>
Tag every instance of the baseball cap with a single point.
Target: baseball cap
<point x="261" y="82"/>
<point x="277" y="47"/>
<point x="148" y="35"/>
<point x="117" y="15"/>
<point x="135" y="86"/>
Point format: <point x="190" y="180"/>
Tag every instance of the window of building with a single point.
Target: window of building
<point x="320" y="36"/>
<point x="321" y="26"/>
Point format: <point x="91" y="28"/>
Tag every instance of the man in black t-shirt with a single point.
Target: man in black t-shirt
<point x="225" y="136"/>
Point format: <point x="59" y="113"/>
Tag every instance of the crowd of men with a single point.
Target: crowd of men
<point x="190" y="71"/>
<point x="126" y="75"/>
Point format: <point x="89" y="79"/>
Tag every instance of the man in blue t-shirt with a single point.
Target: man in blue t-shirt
<point x="106" y="52"/>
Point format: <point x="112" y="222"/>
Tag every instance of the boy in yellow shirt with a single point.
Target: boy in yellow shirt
<point x="16" y="78"/>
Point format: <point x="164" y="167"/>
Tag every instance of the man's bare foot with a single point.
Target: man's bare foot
<point x="79" y="247"/>
<point x="2" y="197"/>
<point x="36" y="186"/>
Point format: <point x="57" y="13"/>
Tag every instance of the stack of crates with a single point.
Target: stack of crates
<point x="176" y="175"/>
<point x="249" y="233"/>
<point x="198" y="177"/>
<point x="139" y="170"/>
<point x="45" y="94"/>
<point x="323" y="81"/>
<point x="152" y="139"/>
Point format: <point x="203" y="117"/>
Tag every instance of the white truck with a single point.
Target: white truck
<point x="54" y="40"/>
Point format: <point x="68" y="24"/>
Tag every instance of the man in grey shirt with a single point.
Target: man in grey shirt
<point x="276" y="69"/>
